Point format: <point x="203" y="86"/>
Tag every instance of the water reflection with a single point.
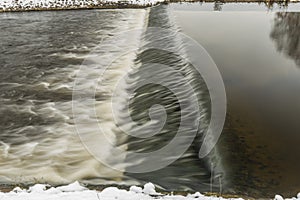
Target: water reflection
<point x="218" y="6"/>
<point x="285" y="34"/>
<point x="260" y="141"/>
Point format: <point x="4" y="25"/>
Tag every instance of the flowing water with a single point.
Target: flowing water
<point x="42" y="54"/>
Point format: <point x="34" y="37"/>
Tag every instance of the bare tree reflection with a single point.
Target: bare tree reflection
<point x="286" y="34"/>
<point x="280" y="4"/>
<point x="218" y="6"/>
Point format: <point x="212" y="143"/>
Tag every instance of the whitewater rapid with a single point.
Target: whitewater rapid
<point x="39" y="142"/>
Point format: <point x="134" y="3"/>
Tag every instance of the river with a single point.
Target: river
<point x="44" y="53"/>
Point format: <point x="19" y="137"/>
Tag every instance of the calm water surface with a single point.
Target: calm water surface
<point x="258" y="56"/>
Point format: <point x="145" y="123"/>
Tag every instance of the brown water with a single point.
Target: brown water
<point x="258" y="56"/>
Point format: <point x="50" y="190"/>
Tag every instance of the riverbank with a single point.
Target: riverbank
<point x="100" y="6"/>
<point x="147" y="191"/>
<point x="78" y="192"/>
<point x="40" y="5"/>
<point x="47" y="5"/>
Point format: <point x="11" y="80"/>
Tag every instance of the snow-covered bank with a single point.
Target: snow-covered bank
<point x="75" y="191"/>
<point x="20" y="5"/>
<point x="28" y="5"/>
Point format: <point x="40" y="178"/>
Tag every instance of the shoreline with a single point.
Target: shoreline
<point x="8" y="188"/>
<point x="104" y="6"/>
<point x="235" y="1"/>
<point x="122" y="5"/>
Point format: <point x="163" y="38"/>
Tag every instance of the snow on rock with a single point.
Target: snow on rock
<point x="75" y="191"/>
<point x="149" y="188"/>
<point x="18" y="190"/>
<point x="136" y="189"/>
<point x="72" y="187"/>
<point x="196" y="195"/>
<point x="278" y="197"/>
<point x="38" y="188"/>
<point x="11" y="5"/>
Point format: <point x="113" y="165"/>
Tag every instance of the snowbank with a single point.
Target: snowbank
<point x="75" y="191"/>
<point x="19" y="5"/>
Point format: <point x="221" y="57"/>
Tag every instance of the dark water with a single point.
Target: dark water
<point x="258" y="56"/>
<point x="41" y="54"/>
<point x="185" y="173"/>
<point x="268" y="6"/>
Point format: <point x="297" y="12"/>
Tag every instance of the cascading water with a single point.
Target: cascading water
<point x="39" y="142"/>
<point x="38" y="68"/>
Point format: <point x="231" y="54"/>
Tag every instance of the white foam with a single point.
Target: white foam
<point x="5" y="148"/>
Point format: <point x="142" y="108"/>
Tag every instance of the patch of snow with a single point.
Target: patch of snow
<point x="73" y="187"/>
<point x="278" y="197"/>
<point x="18" y="190"/>
<point x="37" y="188"/>
<point x="196" y="195"/>
<point x="149" y="188"/>
<point x="136" y="189"/>
<point x="75" y="191"/>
